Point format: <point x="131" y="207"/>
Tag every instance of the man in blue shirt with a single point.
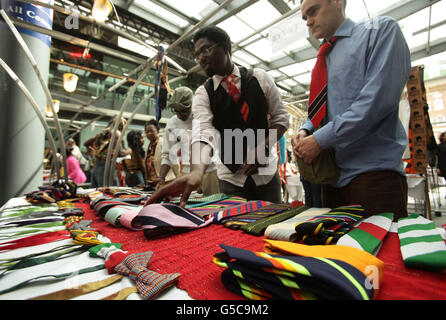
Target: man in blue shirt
<point x="367" y="70"/>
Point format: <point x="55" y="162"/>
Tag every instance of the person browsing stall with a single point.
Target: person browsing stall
<point x="177" y="140"/>
<point x="367" y="67"/>
<point x="233" y="102"/>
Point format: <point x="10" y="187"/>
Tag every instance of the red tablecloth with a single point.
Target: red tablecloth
<point x="191" y="255"/>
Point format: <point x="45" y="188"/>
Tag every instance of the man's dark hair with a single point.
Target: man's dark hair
<point x="214" y="34"/>
<point x="345" y="3"/>
<point x="154" y="123"/>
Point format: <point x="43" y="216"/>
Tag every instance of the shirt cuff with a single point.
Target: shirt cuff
<point x="308" y="125"/>
<point x="325" y="136"/>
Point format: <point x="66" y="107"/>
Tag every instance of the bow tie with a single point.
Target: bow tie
<point x="148" y="283"/>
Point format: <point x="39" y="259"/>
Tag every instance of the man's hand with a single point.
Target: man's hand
<point x="308" y="149"/>
<point x="295" y="140"/>
<point x="182" y="186"/>
<point x="253" y="168"/>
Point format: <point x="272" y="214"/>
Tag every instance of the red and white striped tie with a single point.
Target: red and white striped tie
<point x="235" y="93"/>
<point x="318" y="88"/>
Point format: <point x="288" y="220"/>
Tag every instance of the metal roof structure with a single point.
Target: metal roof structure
<point x="136" y="28"/>
<point x="268" y="34"/>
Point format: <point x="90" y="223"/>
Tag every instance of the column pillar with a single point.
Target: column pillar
<point x="22" y="137"/>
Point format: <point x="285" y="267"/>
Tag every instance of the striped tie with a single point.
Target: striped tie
<point x="235" y="93"/>
<point x="329" y="227"/>
<point x="421" y="244"/>
<point x="161" y="220"/>
<point x="258" y="275"/>
<point x="318" y="87"/>
<point x="369" y="233"/>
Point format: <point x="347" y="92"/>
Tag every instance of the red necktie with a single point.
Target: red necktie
<point x="234" y="92"/>
<point x="318" y="87"/>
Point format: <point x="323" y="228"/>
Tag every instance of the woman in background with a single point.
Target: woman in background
<point x="99" y="145"/>
<point x="75" y="172"/>
<point x="135" y="167"/>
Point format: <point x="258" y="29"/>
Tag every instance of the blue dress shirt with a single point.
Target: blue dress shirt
<point x="367" y="71"/>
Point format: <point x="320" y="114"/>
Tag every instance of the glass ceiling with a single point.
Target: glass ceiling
<point x="291" y="65"/>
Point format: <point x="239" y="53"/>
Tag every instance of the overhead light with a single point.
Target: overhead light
<point x="56" y="106"/>
<point x="101" y="9"/>
<point x="70" y="82"/>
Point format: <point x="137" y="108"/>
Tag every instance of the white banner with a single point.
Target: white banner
<point x="287" y="32"/>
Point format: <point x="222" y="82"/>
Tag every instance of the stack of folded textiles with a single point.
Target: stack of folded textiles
<point x="318" y="272"/>
<point x="329" y="227"/>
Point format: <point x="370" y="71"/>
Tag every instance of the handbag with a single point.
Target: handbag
<point x="322" y="170"/>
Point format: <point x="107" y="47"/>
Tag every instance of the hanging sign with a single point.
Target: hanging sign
<point x="40" y="16"/>
<point x="287" y="32"/>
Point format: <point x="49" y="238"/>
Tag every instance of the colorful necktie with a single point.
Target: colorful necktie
<point x="286" y="229"/>
<point x="226" y="214"/>
<point x="369" y="233"/>
<point x="329" y="227"/>
<point x="361" y="260"/>
<point x="262" y="212"/>
<point x="318" y="88"/>
<point x="291" y="277"/>
<point x="34" y="240"/>
<point x="421" y="244"/>
<point x="235" y="93"/>
<point x="215" y="207"/>
<point x="258" y="227"/>
<point x="160" y="220"/>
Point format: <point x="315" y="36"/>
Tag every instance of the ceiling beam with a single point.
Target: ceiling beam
<point x="398" y="11"/>
<point x="403" y="9"/>
<point x="143" y="13"/>
<point x="78" y="41"/>
<point x="280" y="6"/>
<point x="232" y="9"/>
<point x="435" y="47"/>
<point x="74" y="107"/>
<point x="179" y="13"/>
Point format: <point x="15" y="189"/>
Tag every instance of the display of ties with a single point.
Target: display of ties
<point x="318" y="89"/>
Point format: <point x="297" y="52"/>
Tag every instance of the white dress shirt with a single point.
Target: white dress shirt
<point x="177" y="135"/>
<point x="204" y="131"/>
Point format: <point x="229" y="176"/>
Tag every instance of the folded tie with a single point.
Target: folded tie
<point x="159" y="220"/>
<point x="258" y="227"/>
<point x="329" y="227"/>
<point x="197" y="199"/>
<point x="206" y="209"/>
<point x="421" y="244"/>
<point x="284" y="230"/>
<point x="365" y="262"/>
<point x="148" y="283"/>
<point x="270" y="276"/>
<point x="102" y="207"/>
<point x="34" y="240"/>
<point x="127" y="220"/>
<point x="243" y="209"/>
<point x="113" y="215"/>
<point x="368" y="234"/>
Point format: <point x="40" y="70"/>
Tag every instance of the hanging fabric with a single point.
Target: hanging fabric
<point x="159" y="67"/>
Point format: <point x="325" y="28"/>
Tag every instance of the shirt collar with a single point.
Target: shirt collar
<point x="217" y="78"/>
<point x="345" y="29"/>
